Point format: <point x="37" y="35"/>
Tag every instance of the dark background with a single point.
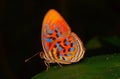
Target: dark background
<point x="21" y="22"/>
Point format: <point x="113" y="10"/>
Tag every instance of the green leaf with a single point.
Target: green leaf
<point x="96" y="67"/>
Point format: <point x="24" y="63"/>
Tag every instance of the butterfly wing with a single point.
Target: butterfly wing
<point x="53" y="27"/>
<point x="68" y="49"/>
<point x="59" y="44"/>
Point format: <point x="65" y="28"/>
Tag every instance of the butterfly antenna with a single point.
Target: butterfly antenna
<point x="31" y="57"/>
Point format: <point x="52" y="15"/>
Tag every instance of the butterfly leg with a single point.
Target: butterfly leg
<point x="59" y="64"/>
<point x="47" y="64"/>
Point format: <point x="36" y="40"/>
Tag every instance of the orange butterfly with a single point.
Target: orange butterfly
<point x="60" y="45"/>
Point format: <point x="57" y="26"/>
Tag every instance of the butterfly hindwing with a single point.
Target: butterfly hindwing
<point x="67" y="49"/>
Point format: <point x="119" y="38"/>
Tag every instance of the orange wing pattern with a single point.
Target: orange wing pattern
<point x="59" y="43"/>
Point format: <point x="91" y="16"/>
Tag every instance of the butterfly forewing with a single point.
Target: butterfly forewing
<point x="59" y="44"/>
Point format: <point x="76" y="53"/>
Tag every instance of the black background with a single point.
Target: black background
<point x="21" y="22"/>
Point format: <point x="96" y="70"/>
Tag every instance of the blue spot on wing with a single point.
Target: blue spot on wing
<point x="57" y="29"/>
<point x="50" y="32"/>
<point x="71" y="49"/>
<point x="60" y="48"/>
<point x="67" y="39"/>
<point x="66" y="59"/>
<point x="48" y="29"/>
<point x="59" y="34"/>
<point x="67" y="43"/>
<point x="57" y="44"/>
<point x="68" y="54"/>
<point x="60" y="55"/>
<point x="48" y="40"/>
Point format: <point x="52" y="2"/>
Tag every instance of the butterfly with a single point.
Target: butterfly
<point x="60" y="45"/>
